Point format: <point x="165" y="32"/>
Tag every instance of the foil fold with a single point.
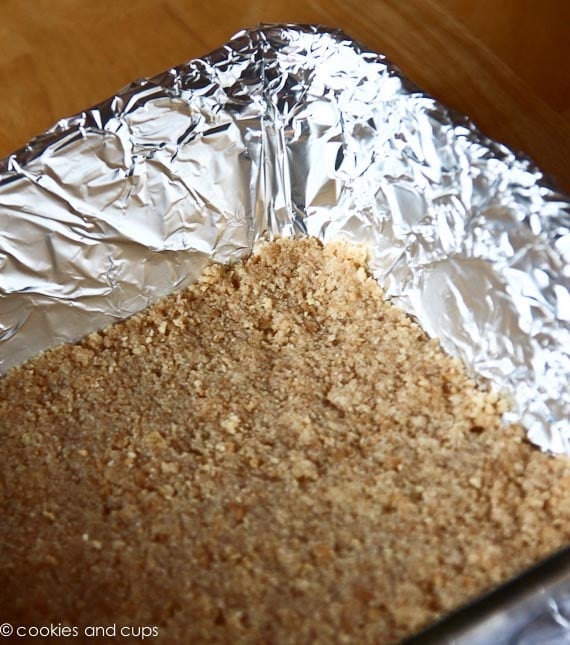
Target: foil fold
<point x="293" y="130"/>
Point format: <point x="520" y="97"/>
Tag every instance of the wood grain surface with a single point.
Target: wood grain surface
<point x="505" y="63"/>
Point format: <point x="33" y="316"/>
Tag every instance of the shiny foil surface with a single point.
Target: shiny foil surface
<point x="293" y="130"/>
<point x="531" y="609"/>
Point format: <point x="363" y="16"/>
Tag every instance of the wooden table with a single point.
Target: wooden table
<point x="503" y="62"/>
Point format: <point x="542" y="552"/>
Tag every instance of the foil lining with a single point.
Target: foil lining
<point x="531" y="609"/>
<point x="293" y="130"/>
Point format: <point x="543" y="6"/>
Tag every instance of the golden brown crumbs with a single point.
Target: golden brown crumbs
<point x="274" y="455"/>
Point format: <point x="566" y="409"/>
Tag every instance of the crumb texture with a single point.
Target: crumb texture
<point x="274" y="455"/>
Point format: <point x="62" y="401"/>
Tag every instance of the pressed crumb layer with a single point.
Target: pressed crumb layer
<point x="274" y="455"/>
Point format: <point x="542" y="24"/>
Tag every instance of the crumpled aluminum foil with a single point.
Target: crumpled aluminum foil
<point x="293" y="130"/>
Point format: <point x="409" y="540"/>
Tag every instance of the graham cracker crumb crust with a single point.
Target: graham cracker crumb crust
<point x="273" y="455"/>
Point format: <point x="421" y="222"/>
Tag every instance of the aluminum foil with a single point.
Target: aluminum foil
<point x="531" y="609"/>
<point x="290" y="130"/>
